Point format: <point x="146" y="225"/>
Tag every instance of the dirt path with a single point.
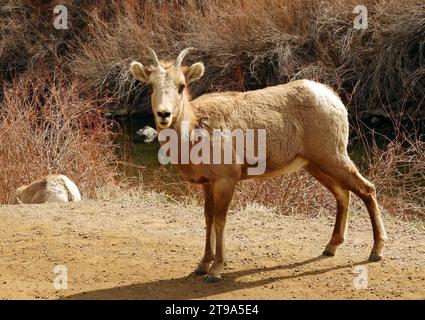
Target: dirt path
<point x="140" y="250"/>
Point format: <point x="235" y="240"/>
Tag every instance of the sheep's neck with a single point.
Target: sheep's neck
<point x="186" y="114"/>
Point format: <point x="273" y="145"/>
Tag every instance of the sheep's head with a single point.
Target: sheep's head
<point x="148" y="134"/>
<point x="168" y="82"/>
<point x="16" y="199"/>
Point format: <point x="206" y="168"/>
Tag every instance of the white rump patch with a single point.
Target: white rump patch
<point x="73" y="189"/>
<point x="324" y="95"/>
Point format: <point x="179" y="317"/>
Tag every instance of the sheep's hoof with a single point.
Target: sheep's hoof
<point x="375" y="257"/>
<point x="328" y="253"/>
<point x="199" y="272"/>
<point x="212" y="278"/>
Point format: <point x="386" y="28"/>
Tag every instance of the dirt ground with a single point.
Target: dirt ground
<point x="146" y="249"/>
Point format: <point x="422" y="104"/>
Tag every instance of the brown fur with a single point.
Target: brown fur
<point x="307" y="127"/>
<point x="51" y="188"/>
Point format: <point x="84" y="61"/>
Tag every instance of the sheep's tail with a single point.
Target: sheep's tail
<point x="71" y="190"/>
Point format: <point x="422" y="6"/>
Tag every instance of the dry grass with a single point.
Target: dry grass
<point x="298" y="193"/>
<point x="28" y="38"/>
<point x="245" y="45"/>
<point x="398" y="171"/>
<point x="46" y="128"/>
<point x="250" y="44"/>
<point x="255" y="44"/>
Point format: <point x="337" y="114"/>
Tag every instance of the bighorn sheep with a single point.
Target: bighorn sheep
<point x="306" y="125"/>
<point x="51" y="188"/>
<point x="148" y="134"/>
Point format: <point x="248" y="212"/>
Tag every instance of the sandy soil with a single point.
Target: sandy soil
<point x="146" y="249"/>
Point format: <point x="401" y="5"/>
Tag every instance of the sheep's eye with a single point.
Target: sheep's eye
<point x="181" y="88"/>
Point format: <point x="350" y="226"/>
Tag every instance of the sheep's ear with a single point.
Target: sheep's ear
<point x="140" y="72"/>
<point x="16" y="199"/>
<point x="195" y="72"/>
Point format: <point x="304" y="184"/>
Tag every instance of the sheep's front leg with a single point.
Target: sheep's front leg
<point x="208" y="257"/>
<point x="223" y="190"/>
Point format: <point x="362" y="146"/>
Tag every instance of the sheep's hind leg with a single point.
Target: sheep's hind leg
<point x="348" y="176"/>
<point x="342" y="197"/>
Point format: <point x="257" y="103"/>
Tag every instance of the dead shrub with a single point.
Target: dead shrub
<point x="245" y="45"/>
<point x="45" y="127"/>
<point x="397" y="168"/>
<point x="298" y="193"/>
<point x="253" y="44"/>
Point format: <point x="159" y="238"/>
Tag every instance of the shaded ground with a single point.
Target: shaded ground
<point x="144" y="250"/>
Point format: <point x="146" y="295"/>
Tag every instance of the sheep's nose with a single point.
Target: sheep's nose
<point x="163" y="115"/>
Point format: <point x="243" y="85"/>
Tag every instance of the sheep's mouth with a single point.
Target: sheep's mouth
<point x="164" y="124"/>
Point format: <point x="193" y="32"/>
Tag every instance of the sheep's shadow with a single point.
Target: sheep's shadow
<point x="192" y="287"/>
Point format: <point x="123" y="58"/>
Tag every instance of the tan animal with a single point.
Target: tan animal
<point x="51" y="188"/>
<point x="307" y="127"/>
